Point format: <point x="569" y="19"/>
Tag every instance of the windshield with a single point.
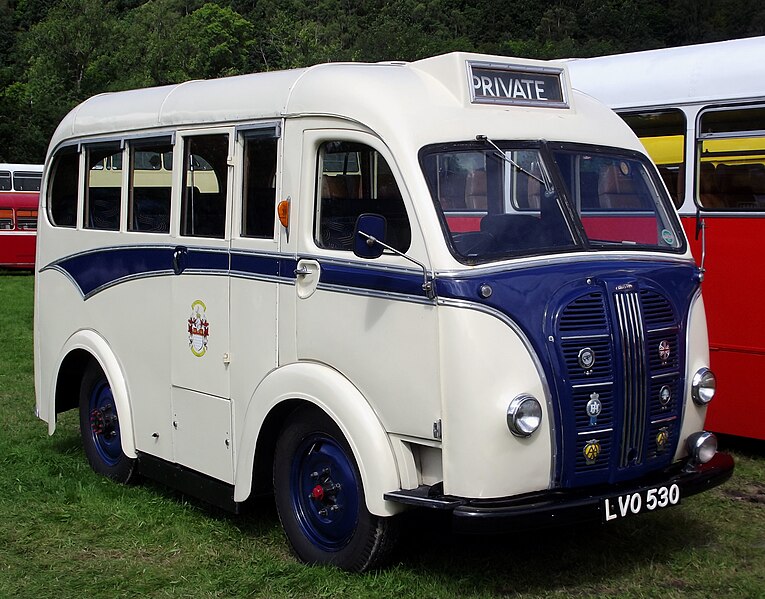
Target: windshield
<point x="527" y="199"/>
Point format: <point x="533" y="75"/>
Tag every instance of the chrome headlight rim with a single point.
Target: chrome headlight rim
<point x="524" y="415"/>
<point x="702" y="447"/>
<point x="703" y="386"/>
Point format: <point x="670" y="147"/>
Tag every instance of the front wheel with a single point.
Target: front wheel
<point x="320" y="498"/>
<point x="100" y="427"/>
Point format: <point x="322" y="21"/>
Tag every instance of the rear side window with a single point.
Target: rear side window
<point x="103" y="188"/>
<point x="150" y="186"/>
<point x="5" y="181"/>
<point x="62" y="194"/>
<point x="354" y="179"/>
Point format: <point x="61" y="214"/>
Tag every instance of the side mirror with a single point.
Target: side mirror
<point x="369" y="236"/>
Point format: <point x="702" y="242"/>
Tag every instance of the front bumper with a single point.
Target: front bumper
<point x="563" y="506"/>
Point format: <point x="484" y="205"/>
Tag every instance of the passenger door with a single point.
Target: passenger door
<point x="202" y="427"/>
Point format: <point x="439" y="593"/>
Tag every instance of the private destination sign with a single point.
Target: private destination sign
<point x="515" y="84"/>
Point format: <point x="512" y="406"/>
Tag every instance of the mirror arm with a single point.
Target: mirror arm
<point x="428" y="279"/>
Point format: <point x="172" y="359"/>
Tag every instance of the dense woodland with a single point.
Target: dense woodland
<point x="55" y="53"/>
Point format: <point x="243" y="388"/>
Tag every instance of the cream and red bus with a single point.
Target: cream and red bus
<point x="19" y="196"/>
<point x="700" y="112"/>
<point x="369" y="288"/>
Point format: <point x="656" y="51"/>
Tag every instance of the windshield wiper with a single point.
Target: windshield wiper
<point x="506" y="158"/>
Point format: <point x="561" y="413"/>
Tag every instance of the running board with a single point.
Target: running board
<point x="425" y="496"/>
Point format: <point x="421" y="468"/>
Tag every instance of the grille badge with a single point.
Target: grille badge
<point x="665" y="395"/>
<point x="594" y="407"/>
<point x="664" y="351"/>
<point x="586" y="358"/>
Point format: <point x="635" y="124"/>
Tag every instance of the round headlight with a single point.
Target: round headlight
<point x="703" y="386"/>
<point x="702" y="447"/>
<point x="524" y="415"/>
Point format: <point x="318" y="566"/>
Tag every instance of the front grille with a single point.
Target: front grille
<point x="627" y="402"/>
<point x="630" y="324"/>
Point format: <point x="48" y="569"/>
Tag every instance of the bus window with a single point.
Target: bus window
<point x="26" y="220"/>
<point x="26" y="181"/>
<point x="103" y="189"/>
<point x="6" y="219"/>
<point x="354" y="179"/>
<point x="663" y="135"/>
<point x="259" y="194"/>
<point x="205" y="165"/>
<point x="62" y="200"/>
<point x="731" y="159"/>
<point x="5" y="181"/>
<point x="149" y="187"/>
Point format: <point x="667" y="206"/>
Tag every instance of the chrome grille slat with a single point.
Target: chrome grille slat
<point x="630" y="323"/>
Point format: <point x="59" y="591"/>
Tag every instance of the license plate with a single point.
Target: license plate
<point x="648" y="500"/>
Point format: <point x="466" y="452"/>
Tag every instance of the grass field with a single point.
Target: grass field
<point x="65" y="532"/>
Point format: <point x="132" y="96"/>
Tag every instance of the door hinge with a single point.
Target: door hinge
<point x="437" y="429"/>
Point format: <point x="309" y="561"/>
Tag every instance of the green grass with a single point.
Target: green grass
<point x="65" y="532"/>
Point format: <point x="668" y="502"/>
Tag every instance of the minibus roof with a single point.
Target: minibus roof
<point x="730" y="70"/>
<point x="427" y="101"/>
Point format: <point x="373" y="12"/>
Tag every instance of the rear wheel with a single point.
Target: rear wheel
<point x="100" y="427"/>
<point x="320" y="498"/>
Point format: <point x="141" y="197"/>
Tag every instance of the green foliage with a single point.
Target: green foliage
<point x="56" y="53"/>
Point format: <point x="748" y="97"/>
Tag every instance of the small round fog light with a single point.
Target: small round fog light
<point x="702" y="447"/>
<point x="703" y="386"/>
<point x="524" y="415"/>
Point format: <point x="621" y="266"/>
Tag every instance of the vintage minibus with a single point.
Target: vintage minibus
<point x="368" y="288"/>
<point x="700" y="112"/>
<point x="19" y="197"/>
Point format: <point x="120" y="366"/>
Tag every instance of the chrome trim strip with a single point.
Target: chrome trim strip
<point x="569" y="258"/>
<point x="597" y="432"/>
<point x="586" y="385"/>
<point x="664" y="375"/>
<point x="601" y="336"/>
<point x="661" y="420"/>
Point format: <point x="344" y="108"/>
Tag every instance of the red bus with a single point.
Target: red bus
<point x="19" y="196"/>
<point x="700" y="112"/>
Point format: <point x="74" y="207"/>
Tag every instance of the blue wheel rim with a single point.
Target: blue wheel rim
<point x="104" y="424"/>
<point x="324" y="492"/>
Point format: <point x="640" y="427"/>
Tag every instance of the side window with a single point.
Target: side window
<point x="730" y="159"/>
<point x="354" y="179"/>
<point x="5" y="181"/>
<point x="6" y="219"/>
<point x="27" y="181"/>
<point x="205" y="165"/>
<point x="150" y="185"/>
<point x="663" y="135"/>
<point x="259" y="193"/>
<point x="62" y="191"/>
<point x="103" y="188"/>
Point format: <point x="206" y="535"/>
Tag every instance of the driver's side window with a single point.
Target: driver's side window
<point x="354" y="179"/>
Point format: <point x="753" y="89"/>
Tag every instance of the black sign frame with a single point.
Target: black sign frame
<point x="517" y="85"/>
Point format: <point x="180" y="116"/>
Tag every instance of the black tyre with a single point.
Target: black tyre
<point x="320" y="498"/>
<point x="100" y="427"/>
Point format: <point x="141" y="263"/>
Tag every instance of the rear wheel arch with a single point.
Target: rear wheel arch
<point x="80" y="351"/>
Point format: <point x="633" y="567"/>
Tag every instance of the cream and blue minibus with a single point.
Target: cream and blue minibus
<point x="453" y="284"/>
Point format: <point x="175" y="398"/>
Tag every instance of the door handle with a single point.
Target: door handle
<point x="179" y="262"/>
<point x="302" y="271"/>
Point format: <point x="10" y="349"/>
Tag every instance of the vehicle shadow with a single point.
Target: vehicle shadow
<point x="591" y="557"/>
